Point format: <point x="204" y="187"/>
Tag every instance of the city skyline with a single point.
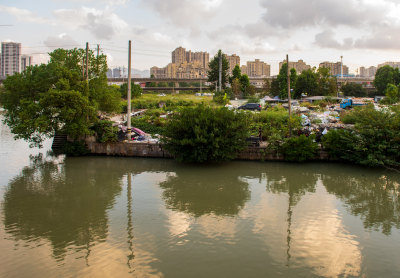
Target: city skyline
<point x="360" y="31"/>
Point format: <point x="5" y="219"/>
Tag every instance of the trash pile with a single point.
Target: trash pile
<point x="137" y="135"/>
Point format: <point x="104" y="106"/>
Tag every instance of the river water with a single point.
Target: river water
<point x="130" y="217"/>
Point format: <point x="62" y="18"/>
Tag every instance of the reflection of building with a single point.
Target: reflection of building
<point x="299" y="66"/>
<point x="10" y="58"/>
<point x="257" y="68"/>
<point x="26" y="61"/>
<point x="233" y="60"/>
<point x="367" y="72"/>
<point x="335" y="68"/>
<point x="185" y="64"/>
<point x="392" y="64"/>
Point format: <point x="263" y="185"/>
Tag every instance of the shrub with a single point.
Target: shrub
<point x="203" y="134"/>
<point x="375" y="140"/>
<point x="148" y="125"/>
<point x="105" y="131"/>
<point x="340" y="144"/>
<point x="301" y="148"/>
<point x="274" y="125"/>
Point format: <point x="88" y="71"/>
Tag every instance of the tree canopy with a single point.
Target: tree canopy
<point x="213" y="72"/>
<point x="384" y="76"/>
<point x="354" y="90"/>
<point x="55" y="97"/>
<point x="310" y="82"/>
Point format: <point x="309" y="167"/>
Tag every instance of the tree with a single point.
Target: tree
<point x="244" y="83"/>
<point x="136" y="90"/>
<point x="327" y="84"/>
<point x="236" y="74"/>
<point x="384" y="76"/>
<point x="213" y="72"/>
<point x="55" y="97"/>
<point x="275" y="90"/>
<point x="282" y="80"/>
<point x="353" y="89"/>
<point x="307" y="83"/>
<point x="236" y="88"/>
<point x="203" y="134"/>
<point x="392" y="94"/>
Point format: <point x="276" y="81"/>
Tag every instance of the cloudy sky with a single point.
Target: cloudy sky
<point x="365" y="32"/>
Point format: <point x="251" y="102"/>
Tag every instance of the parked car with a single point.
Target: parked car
<point x="251" y="106"/>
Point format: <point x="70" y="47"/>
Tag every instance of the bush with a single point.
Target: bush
<point x="375" y="140"/>
<point x="340" y="144"/>
<point x="300" y="148"/>
<point x="203" y="134"/>
<point x="148" y="125"/>
<point x="105" y="131"/>
<point x="274" y="126"/>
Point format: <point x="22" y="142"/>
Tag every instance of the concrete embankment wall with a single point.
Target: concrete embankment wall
<point x="156" y="151"/>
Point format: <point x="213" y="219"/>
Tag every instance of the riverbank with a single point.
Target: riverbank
<point x="155" y="150"/>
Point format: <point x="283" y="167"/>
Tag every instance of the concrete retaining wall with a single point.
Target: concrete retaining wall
<point x="155" y="150"/>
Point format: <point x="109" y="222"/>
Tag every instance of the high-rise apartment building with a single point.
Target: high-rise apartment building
<point x="185" y="64"/>
<point x="368" y="72"/>
<point x="335" y="68"/>
<point x="258" y="68"/>
<point x="299" y="66"/>
<point x="233" y="60"/>
<point x="392" y="64"/>
<point x="10" y="58"/>
<point x="26" y="61"/>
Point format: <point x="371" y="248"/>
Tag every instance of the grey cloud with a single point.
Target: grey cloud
<point x="60" y="41"/>
<point x="302" y="13"/>
<point x="182" y="12"/>
<point x="326" y="40"/>
<point x="103" y="24"/>
<point x="384" y="38"/>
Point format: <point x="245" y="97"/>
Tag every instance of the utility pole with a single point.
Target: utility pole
<point x="220" y="71"/>
<point x="97" y="58"/>
<point x="83" y="68"/>
<point x="129" y="92"/>
<point x="87" y="62"/>
<point x="341" y="67"/>
<point x="289" y="96"/>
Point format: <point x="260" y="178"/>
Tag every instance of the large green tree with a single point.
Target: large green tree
<point x="384" y="76"/>
<point x="327" y="84"/>
<point x="282" y="80"/>
<point x="55" y="97"/>
<point x="307" y="83"/>
<point x="354" y="90"/>
<point x="213" y="72"/>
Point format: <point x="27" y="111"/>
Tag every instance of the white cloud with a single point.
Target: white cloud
<point x="23" y="14"/>
<point x="184" y="13"/>
<point x="103" y="24"/>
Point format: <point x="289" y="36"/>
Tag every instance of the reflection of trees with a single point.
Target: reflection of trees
<point x="295" y="182"/>
<point x="64" y="203"/>
<point x="199" y="192"/>
<point x="373" y="196"/>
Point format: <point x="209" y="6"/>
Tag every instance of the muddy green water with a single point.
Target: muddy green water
<point x="128" y="217"/>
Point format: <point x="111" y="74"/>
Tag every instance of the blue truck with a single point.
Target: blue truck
<point x="348" y="103"/>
